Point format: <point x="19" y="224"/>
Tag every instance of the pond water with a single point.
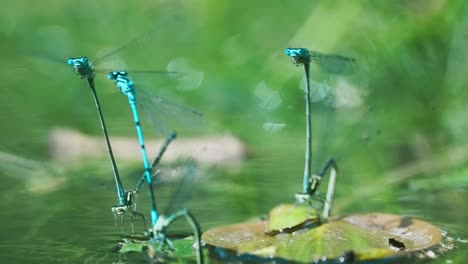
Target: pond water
<point x="396" y="126"/>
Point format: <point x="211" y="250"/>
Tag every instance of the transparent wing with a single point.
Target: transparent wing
<point x="340" y="118"/>
<point x="163" y="79"/>
<point x="342" y="133"/>
<point x="51" y="43"/>
<point x="323" y="133"/>
<point x="165" y="114"/>
<point x="188" y="78"/>
<point x="58" y="43"/>
<point x="191" y="79"/>
<point x="320" y="92"/>
<point x="335" y="64"/>
<point x="340" y="94"/>
<point x="182" y="192"/>
<point x="47" y="50"/>
<point x="134" y="44"/>
<point x="159" y="73"/>
<point x="146" y="48"/>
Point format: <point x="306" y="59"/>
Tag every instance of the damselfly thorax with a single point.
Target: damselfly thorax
<point x="82" y="67"/>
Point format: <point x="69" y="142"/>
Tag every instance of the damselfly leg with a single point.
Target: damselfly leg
<point x="163" y="223"/>
<point x="314" y="183"/>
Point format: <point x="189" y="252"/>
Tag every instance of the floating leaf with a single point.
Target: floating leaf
<point x="363" y="237"/>
<point x="231" y="237"/>
<point x="414" y="233"/>
<point x="182" y="248"/>
<point x="133" y="247"/>
<point x="288" y="218"/>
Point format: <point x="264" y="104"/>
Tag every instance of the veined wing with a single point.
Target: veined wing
<point x="165" y="114"/>
<point x="338" y="95"/>
<point x="159" y="73"/>
<point x="148" y="47"/>
<point x="334" y="64"/>
<point x="182" y="192"/>
<point x="342" y="133"/>
<point x="136" y="43"/>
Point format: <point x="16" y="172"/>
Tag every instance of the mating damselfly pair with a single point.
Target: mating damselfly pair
<point x="255" y="240"/>
<point x="298" y="233"/>
<point x="333" y="64"/>
<point x="158" y="106"/>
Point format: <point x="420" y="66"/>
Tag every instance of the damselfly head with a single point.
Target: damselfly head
<point x="77" y="62"/>
<point x="112" y="75"/>
<point x="295" y="52"/>
<point x="116" y="74"/>
<point x="299" y="56"/>
<point x="172" y="135"/>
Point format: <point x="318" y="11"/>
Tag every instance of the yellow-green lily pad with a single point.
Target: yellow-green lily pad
<point x="414" y="233"/>
<point x="288" y="218"/>
<point x="362" y="237"/>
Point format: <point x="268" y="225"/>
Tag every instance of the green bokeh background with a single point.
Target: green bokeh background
<point x="412" y="70"/>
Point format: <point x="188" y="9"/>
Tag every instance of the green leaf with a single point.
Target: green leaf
<point x="182" y="248"/>
<point x="133" y="247"/>
<point x="360" y="237"/>
<point x="288" y="217"/>
<point x="414" y="233"/>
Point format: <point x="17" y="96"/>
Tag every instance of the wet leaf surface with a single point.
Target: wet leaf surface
<point x="288" y="218"/>
<point x="182" y="248"/>
<point x="362" y="237"/>
<point x="414" y="233"/>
